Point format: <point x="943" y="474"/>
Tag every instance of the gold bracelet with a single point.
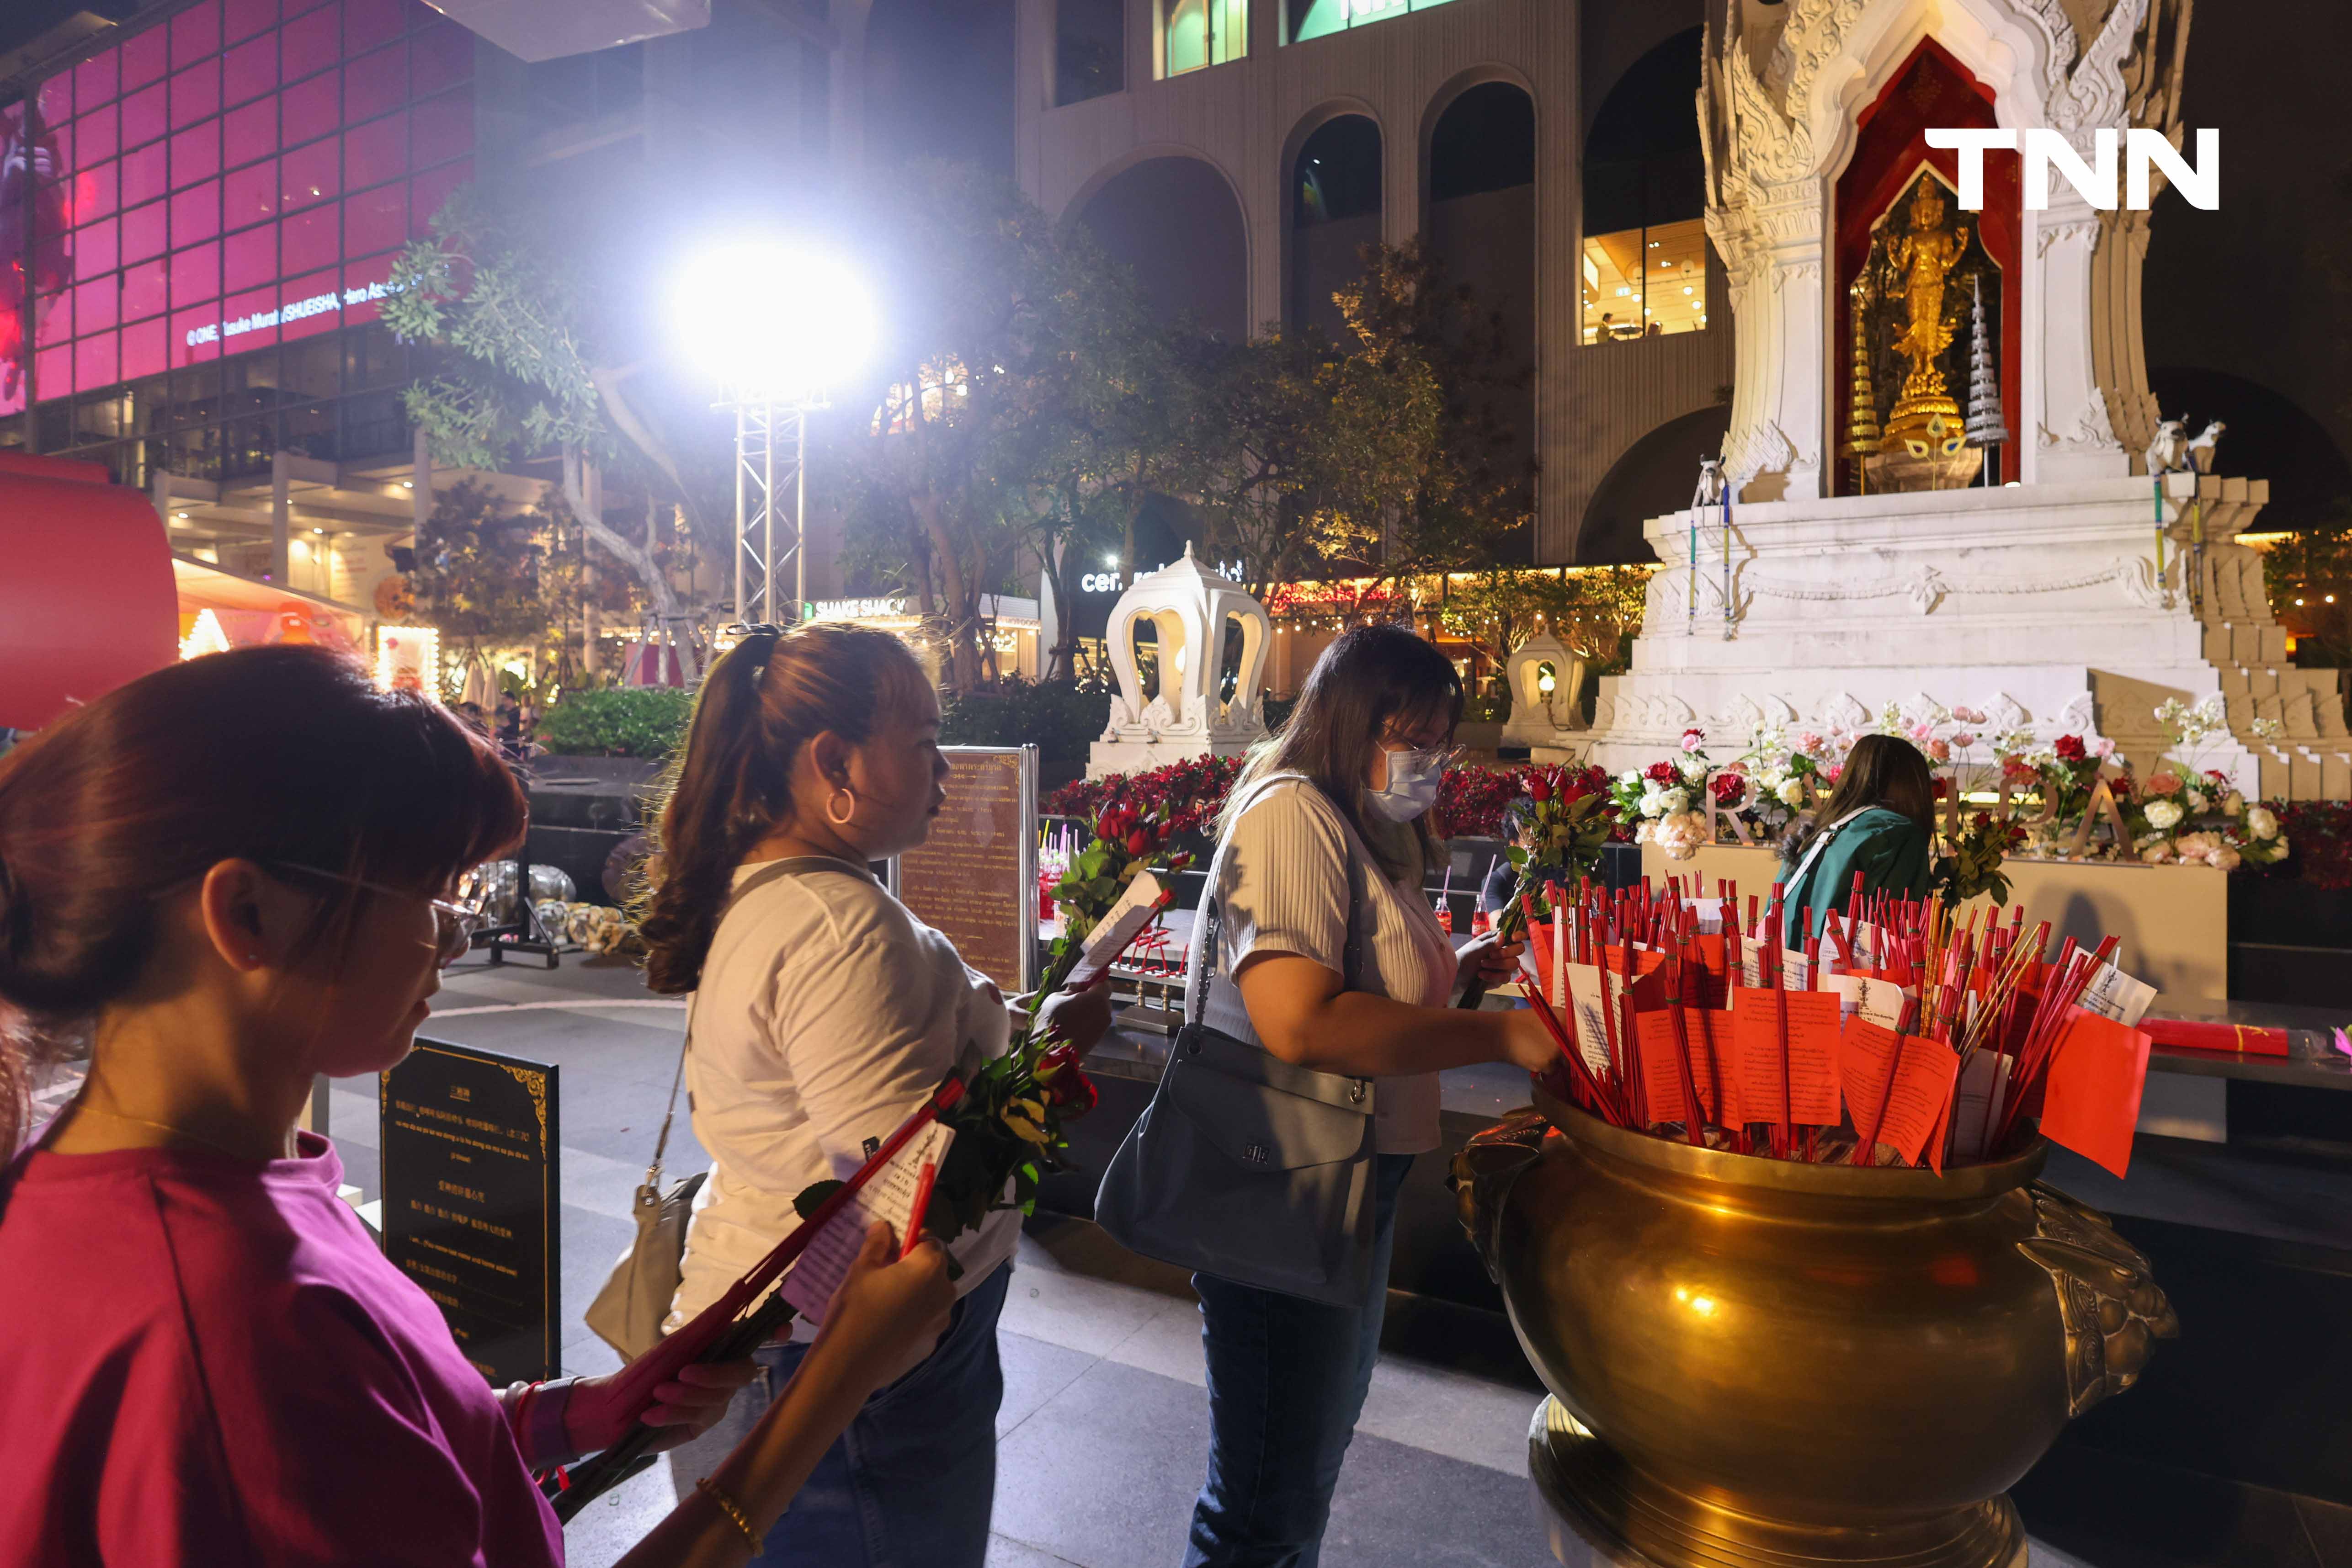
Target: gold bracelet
<point x="735" y="1515"/>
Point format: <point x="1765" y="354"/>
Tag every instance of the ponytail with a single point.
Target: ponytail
<point x="763" y="700"/>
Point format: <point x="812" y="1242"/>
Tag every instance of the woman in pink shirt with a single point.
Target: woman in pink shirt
<point x="225" y="878"/>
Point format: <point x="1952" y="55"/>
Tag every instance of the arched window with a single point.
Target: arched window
<point x="1335" y="211"/>
<point x="1198" y="32"/>
<point x="1313" y="18"/>
<point x="1645" y="201"/>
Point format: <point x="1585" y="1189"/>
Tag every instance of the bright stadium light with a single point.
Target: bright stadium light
<point x="776" y="328"/>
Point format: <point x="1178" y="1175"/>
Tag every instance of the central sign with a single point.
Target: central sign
<point x="975" y="878"/>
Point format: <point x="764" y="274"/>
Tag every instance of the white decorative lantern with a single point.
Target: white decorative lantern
<point x="1190" y="609"/>
<point x="1547" y="684"/>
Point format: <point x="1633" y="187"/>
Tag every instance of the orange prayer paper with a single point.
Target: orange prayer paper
<point x="1661" y="1072"/>
<point x="1706" y="970"/>
<point x="2091" y="1096"/>
<point x="1715" y="1067"/>
<point x="1812" y="1055"/>
<point x="1896" y="1086"/>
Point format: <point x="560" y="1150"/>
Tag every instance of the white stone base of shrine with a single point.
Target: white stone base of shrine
<point x="1109" y="756"/>
<point x="2040" y="606"/>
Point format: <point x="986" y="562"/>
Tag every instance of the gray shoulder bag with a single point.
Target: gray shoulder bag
<point x="629" y="1310"/>
<point x="1246" y="1166"/>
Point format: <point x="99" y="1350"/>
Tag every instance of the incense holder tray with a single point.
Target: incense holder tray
<point x="1758" y="1362"/>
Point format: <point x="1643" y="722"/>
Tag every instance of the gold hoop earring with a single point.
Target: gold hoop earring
<point x="848" y="817"/>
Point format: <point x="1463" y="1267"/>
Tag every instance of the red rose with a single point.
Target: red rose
<point x="1067" y="1088"/>
<point x="1107" y="825"/>
<point x="1729" y="788"/>
<point x="2069" y="748"/>
<point x="1139" y="842"/>
<point x="1664" y="773"/>
<point x="1539" y="787"/>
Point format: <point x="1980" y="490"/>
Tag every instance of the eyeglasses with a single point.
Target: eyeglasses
<point x="453" y="925"/>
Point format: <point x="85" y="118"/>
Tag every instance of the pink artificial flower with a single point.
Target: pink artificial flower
<point x="1832" y="770"/>
<point x="2105" y="749"/>
<point x="1923" y="732"/>
<point x="1939" y="751"/>
<point x="2164" y="784"/>
<point x="1692" y="740"/>
<point x="1809" y="741"/>
<point x="1964" y="739"/>
<point x="1967" y="715"/>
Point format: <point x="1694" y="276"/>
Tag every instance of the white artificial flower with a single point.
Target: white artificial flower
<point x="2232" y="803"/>
<point x="1630" y="778"/>
<point x="2197" y="801"/>
<point x="2163" y="815"/>
<point x="2262" y="823"/>
<point x="2155" y="854"/>
<point x="1675" y="801"/>
<point x="1692" y="768"/>
<point x="2224" y="858"/>
<point x="1791" y="792"/>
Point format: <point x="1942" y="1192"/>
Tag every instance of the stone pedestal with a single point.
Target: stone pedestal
<point x="2040" y="605"/>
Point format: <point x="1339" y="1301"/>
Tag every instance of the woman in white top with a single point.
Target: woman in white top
<point x="826" y="1013"/>
<point x="1369" y="737"/>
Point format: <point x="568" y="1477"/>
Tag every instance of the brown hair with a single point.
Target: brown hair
<point x="285" y="754"/>
<point x="763" y="700"/>
<point x="1881" y="770"/>
<point x="1369" y="676"/>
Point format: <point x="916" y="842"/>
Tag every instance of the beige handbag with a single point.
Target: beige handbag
<point x="629" y="1311"/>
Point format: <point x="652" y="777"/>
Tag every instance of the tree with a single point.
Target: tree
<point x="2309" y="575"/>
<point x="1499" y="609"/>
<point x="1022" y="408"/>
<point x="533" y="369"/>
<point x="489" y="575"/>
<point x="1603" y="614"/>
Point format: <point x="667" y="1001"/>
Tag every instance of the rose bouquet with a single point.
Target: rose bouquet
<point x="1571" y="813"/>
<point x="1970" y="862"/>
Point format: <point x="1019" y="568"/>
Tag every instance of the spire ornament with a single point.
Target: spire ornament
<point x="1984" y="427"/>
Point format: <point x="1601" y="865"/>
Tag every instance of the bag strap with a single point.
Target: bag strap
<point x="791" y="865"/>
<point x="1351" y="953"/>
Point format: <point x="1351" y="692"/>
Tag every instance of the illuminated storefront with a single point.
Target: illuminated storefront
<point x="202" y="218"/>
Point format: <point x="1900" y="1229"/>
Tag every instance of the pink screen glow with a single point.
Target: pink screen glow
<point x="243" y="145"/>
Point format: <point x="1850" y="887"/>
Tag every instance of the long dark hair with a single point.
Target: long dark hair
<point x="1881" y="770"/>
<point x="285" y="754"/>
<point x="1371" y="675"/>
<point x="763" y="700"/>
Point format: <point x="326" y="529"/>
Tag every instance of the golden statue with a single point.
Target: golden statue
<point x="1917" y="264"/>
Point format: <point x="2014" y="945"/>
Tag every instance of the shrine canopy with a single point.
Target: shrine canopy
<point x="86" y="601"/>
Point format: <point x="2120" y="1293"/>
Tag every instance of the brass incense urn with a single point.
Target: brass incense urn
<point x="1763" y="1362"/>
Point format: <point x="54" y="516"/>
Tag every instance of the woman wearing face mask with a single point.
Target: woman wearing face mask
<point x="824" y="1014"/>
<point x="1350" y="778"/>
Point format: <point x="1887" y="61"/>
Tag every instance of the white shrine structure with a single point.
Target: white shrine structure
<point x="1207" y="630"/>
<point x="1834" y="582"/>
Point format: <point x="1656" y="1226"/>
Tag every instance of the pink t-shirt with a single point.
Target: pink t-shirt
<point x="206" y="1362"/>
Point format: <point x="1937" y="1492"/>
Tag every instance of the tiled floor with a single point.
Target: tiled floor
<point x="1103" y="1432"/>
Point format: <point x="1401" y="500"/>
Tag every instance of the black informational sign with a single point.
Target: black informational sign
<point x="470" y="1200"/>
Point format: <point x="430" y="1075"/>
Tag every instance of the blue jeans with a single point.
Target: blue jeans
<point x="911" y="1482"/>
<point x="1286" y="1381"/>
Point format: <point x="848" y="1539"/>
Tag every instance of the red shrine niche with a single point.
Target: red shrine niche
<point x="1932" y="90"/>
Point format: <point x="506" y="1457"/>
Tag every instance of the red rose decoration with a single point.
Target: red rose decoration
<point x="1539" y="787"/>
<point x="1664" y="773"/>
<point x="1067" y="1088"/>
<point x="2069" y="748"/>
<point x="1139" y="842"/>
<point x="1107" y="826"/>
<point x="1729" y="788"/>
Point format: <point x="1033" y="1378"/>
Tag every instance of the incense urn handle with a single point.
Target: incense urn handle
<point x="1483" y="1171"/>
<point x="2108" y="1300"/>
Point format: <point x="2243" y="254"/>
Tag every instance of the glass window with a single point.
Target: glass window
<point x="249" y="132"/>
<point x="95" y="360"/>
<point x="371" y="355"/>
<point x="310" y="43"/>
<point x="442" y="128"/>
<point x="142" y="116"/>
<point x="249" y="193"/>
<point x="195" y="153"/>
<point x="306" y="175"/>
<point x="56" y="99"/>
<point x="196" y="33"/>
<point x="142" y="232"/>
<point x="142" y="290"/>
<point x="94" y="249"/>
<point x="1195" y="33"/>
<point x="1313" y="18"/>
<point x="249" y="259"/>
<point x="313" y="369"/>
<point x="195" y="93"/>
<point x="311" y="304"/>
<point x="377" y="151"/>
<point x="195" y="274"/>
<point x="307" y="110"/>
<point x="142" y="174"/>
<point x="427" y="192"/>
<point x="195" y="333"/>
<point x="250" y="69"/>
<point x="143" y="57"/>
<point x="307" y="240"/>
<point x="144" y="353"/>
<point x="364" y="282"/>
<point x="96" y="79"/>
<point x="367" y="22"/>
<point x="1645" y="282"/>
<point x="243" y="19"/>
<point x="376" y="83"/>
<point x="97" y="134"/>
<point x="196" y="214"/>
<point x="1089" y="49"/>
<point x="441" y="55"/>
<point x="376" y="219"/>
<point x="94" y="305"/>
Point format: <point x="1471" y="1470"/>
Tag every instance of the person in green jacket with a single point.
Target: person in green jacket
<point x="1879" y="821"/>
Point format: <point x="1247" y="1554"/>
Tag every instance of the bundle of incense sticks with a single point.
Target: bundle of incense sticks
<point x="1899" y="1034"/>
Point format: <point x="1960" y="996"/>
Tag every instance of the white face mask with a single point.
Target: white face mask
<point x="1414" y="777"/>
